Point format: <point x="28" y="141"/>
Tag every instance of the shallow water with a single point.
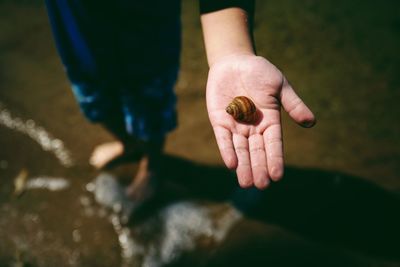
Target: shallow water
<point x="338" y="207"/>
<point x="36" y="133"/>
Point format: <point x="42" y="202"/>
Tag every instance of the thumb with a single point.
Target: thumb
<point x="296" y="108"/>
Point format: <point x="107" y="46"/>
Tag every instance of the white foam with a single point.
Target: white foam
<point x="46" y="141"/>
<point x="169" y="233"/>
<point x="184" y="224"/>
<point x="130" y="249"/>
<point x="49" y="183"/>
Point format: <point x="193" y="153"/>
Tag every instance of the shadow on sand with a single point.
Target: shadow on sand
<point x="310" y="218"/>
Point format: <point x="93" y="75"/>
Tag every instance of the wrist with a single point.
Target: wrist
<point x="226" y="33"/>
<point x="229" y="58"/>
<point x="227" y="55"/>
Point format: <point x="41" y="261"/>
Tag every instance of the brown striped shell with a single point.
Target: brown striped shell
<point x="242" y="109"/>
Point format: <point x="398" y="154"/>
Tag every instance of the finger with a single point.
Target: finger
<point x="258" y="161"/>
<point x="295" y="106"/>
<point x="243" y="169"/>
<point x="225" y="145"/>
<point x="274" y="149"/>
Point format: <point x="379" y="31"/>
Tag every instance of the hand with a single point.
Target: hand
<point x="255" y="151"/>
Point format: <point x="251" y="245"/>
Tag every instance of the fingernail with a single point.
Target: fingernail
<point x="263" y="183"/>
<point x="276" y="173"/>
<point x="308" y="124"/>
<point x="245" y="183"/>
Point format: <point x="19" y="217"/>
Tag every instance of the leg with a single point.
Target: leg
<point x="147" y="178"/>
<point x="150" y="154"/>
<point x="124" y="146"/>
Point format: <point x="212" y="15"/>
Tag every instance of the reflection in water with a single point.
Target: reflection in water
<point x="46" y="141"/>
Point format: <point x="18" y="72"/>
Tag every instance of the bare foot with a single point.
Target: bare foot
<point x="142" y="187"/>
<point x="105" y="153"/>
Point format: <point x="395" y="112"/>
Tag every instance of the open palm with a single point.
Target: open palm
<point x="254" y="150"/>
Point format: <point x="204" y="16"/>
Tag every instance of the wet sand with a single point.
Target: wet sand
<point x="338" y="204"/>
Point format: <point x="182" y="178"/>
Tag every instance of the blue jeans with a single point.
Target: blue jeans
<point x="122" y="59"/>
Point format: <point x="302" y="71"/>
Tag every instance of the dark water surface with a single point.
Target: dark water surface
<point x="338" y="204"/>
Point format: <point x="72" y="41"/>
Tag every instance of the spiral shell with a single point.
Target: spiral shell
<point x="242" y="109"/>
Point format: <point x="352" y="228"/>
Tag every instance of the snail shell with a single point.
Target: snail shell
<point x="242" y="109"/>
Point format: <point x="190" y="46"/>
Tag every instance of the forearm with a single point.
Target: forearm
<point x="227" y="32"/>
